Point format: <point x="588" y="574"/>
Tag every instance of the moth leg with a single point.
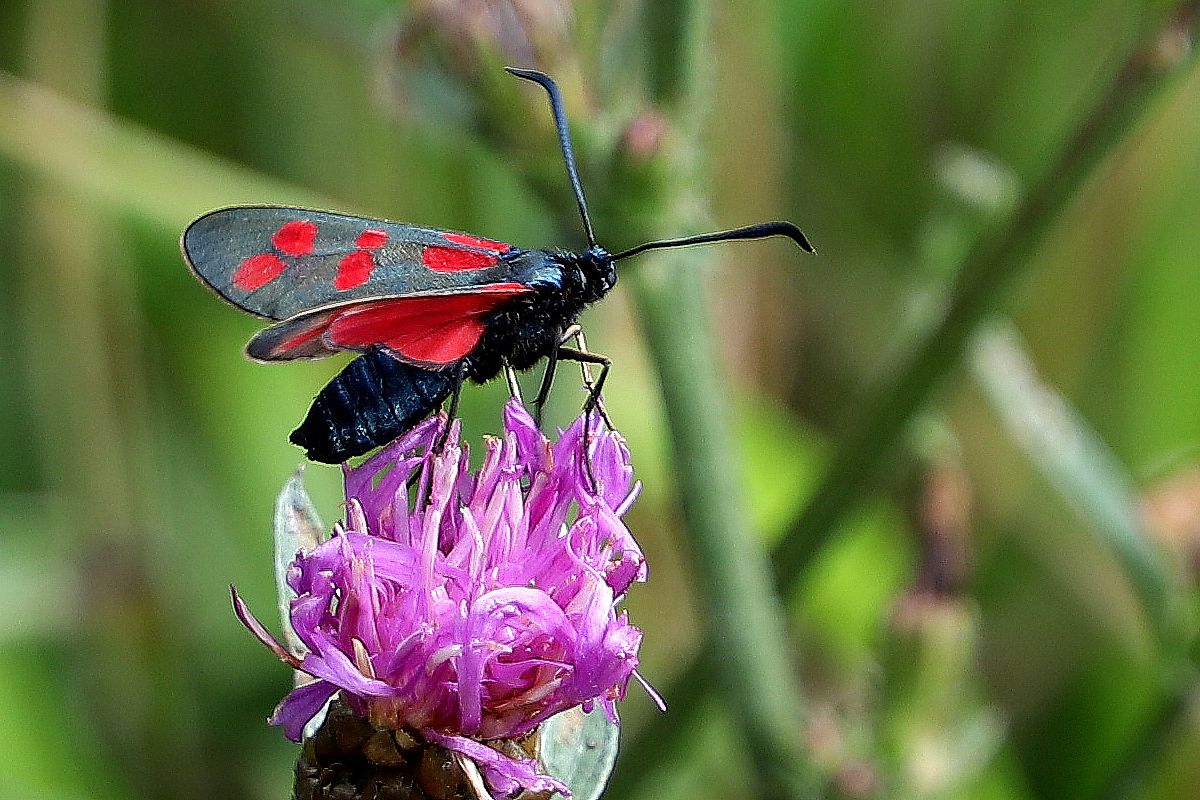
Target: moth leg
<point x="594" y="402"/>
<point x="595" y="399"/>
<point x="552" y="360"/>
<point x="539" y="402"/>
<point x="460" y="376"/>
<point x="514" y="388"/>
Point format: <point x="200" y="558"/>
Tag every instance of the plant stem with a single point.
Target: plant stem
<point x="733" y="577"/>
<point x="742" y="612"/>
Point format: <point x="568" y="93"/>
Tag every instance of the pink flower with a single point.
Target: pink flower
<point x="480" y="607"/>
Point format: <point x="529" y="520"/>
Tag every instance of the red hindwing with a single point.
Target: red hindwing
<point x="429" y="330"/>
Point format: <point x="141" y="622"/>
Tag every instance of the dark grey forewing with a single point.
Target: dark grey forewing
<point x="219" y="243"/>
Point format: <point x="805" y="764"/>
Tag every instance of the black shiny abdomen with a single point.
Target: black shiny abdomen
<point x="375" y="399"/>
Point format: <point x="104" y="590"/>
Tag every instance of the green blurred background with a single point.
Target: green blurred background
<point x="998" y="607"/>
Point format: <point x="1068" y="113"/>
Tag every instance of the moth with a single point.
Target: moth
<point x="427" y="308"/>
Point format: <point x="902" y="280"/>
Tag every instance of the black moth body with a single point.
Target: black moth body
<point x="377" y="397"/>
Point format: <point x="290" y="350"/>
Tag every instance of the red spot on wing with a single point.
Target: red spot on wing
<point x="426" y="330"/>
<point x="257" y="271"/>
<point x="295" y="238"/>
<point x="371" y="238"/>
<point x="354" y="270"/>
<point x="475" y="241"/>
<point x="451" y="259"/>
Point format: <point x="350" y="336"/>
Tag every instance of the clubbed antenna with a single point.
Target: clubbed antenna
<point x="564" y="140"/>
<point x="759" y="231"/>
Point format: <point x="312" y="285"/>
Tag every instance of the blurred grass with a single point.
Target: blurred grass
<point x="124" y="673"/>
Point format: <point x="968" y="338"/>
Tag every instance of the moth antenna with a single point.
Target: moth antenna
<point x="564" y="140"/>
<point x="759" y="231"/>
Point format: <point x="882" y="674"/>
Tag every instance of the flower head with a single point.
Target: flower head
<point x="474" y="605"/>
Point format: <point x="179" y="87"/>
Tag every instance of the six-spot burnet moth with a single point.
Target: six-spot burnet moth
<point x="428" y="308"/>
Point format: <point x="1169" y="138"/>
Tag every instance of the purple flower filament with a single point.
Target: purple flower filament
<point x="482" y="607"/>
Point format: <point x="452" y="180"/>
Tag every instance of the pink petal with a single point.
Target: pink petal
<point x="260" y="632"/>
<point x="505" y="775"/>
<point x="301" y="705"/>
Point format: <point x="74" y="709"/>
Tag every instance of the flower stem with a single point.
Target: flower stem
<point x="734" y="579"/>
<point x="742" y="611"/>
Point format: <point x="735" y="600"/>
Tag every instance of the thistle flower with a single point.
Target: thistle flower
<point x="473" y="606"/>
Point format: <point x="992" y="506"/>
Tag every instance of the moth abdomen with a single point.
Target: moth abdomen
<point x="375" y="399"/>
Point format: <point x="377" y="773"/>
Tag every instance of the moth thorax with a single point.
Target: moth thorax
<point x="349" y="758"/>
<point x="599" y="271"/>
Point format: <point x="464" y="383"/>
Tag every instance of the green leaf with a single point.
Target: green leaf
<point x="580" y="749"/>
<point x="1078" y="464"/>
<point x="125" y="166"/>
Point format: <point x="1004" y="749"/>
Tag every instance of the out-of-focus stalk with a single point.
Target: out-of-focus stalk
<point x="752" y="665"/>
<point x="743" y="613"/>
